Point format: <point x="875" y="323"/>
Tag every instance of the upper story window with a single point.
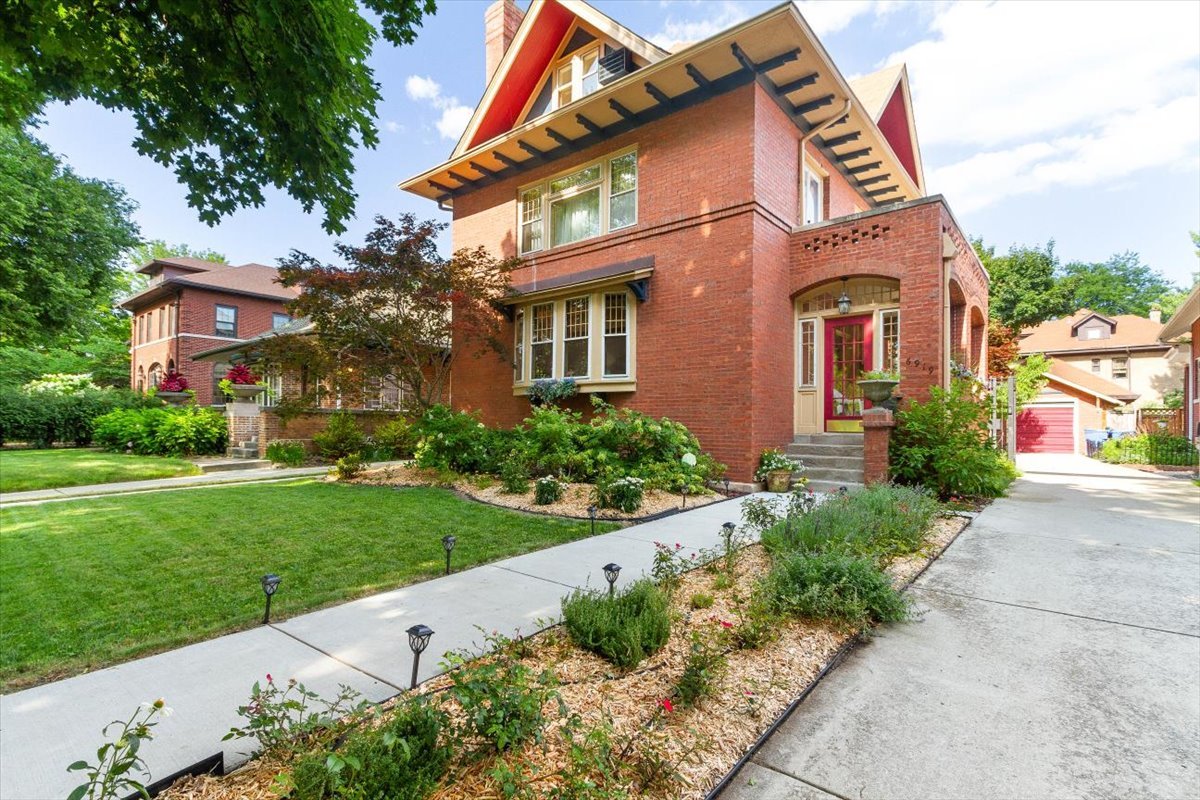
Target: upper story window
<point x="278" y="320"/>
<point x="577" y="75"/>
<point x="812" y="193"/>
<point x="227" y="321"/>
<point x="586" y="202"/>
<point x="1120" y="369"/>
<point x="1095" y="366"/>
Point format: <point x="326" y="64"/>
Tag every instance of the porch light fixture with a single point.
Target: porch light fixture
<point x="448" y="545"/>
<point x="844" y="302"/>
<point x="592" y="515"/>
<point x="270" y="585"/>
<point x="418" y="640"/>
<point x="611" y="571"/>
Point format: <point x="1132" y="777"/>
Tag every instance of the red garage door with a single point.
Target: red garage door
<point x="1046" y="430"/>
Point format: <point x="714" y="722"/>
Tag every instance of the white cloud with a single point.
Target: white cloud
<point x="831" y="16"/>
<point x="1041" y="95"/>
<point x="824" y="16"/>
<point x="454" y="117"/>
<point x="717" y="17"/>
<point x="391" y="126"/>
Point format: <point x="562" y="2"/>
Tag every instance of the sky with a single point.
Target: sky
<point x="1037" y="121"/>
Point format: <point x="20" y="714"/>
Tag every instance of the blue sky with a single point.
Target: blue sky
<point x="1036" y="121"/>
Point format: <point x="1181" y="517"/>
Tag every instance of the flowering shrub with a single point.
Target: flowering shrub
<point x="453" y="440"/>
<point x="173" y="382"/>
<point x="549" y="391"/>
<point x="241" y="374"/>
<point x="292" y="719"/>
<point x="773" y="460"/>
<point x="61" y="383"/>
<point x="113" y="776"/>
<point x="705" y="663"/>
<point x="625" y="494"/>
<point x="547" y="490"/>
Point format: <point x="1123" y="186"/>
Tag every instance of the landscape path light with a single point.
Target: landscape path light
<point x="270" y="585"/>
<point x="592" y="510"/>
<point x="611" y="571"/>
<point x="727" y="530"/>
<point x="418" y="640"/>
<point x="448" y="545"/>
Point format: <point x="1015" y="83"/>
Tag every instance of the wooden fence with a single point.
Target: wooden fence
<point x="1161" y="420"/>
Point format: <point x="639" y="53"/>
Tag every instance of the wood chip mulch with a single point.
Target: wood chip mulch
<point x="704" y="741"/>
<point x="574" y="503"/>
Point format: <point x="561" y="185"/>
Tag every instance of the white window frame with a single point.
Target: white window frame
<point x="574" y="63"/>
<point x="588" y="303"/>
<point x="1125" y="367"/>
<point x="801" y="339"/>
<point x="809" y="173"/>
<point x="1096" y="365"/>
<point x="547" y="200"/>
<point x="523" y="339"/>
<point x="879" y="347"/>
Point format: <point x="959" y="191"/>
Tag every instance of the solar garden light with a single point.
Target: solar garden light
<point x="843" y="491"/>
<point x="684" y="492"/>
<point x="727" y="487"/>
<point x="418" y="640"/>
<point x="592" y="510"/>
<point x="270" y="585"/>
<point x="727" y="531"/>
<point x="448" y="544"/>
<point x="611" y="571"/>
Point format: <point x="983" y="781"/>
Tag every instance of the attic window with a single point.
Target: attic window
<point x="577" y="76"/>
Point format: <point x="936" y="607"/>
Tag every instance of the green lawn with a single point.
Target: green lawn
<point x="25" y="470"/>
<point x="93" y="582"/>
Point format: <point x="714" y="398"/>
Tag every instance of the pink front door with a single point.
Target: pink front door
<point x="847" y="356"/>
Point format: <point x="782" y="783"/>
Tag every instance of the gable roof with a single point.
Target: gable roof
<point x="776" y="49"/>
<point x="1088" y="383"/>
<point x="886" y="96"/>
<point x="539" y="38"/>
<point x="1056" y="335"/>
<point x="1080" y="319"/>
<point x="1181" y="321"/>
<point x="252" y="280"/>
<point x="181" y="262"/>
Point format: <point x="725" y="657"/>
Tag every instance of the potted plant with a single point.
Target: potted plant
<point x="878" y="385"/>
<point x="775" y="469"/>
<point x="241" y="384"/>
<point x="174" y="389"/>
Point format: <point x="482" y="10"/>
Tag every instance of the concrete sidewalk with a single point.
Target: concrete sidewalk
<point x="1057" y="655"/>
<point x="361" y="643"/>
<point x="166" y="484"/>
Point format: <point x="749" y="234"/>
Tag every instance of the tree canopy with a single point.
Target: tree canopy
<point x="62" y="245"/>
<point x="393" y="311"/>
<point x="1120" y="285"/>
<point x="1024" y="290"/>
<point x="157" y="248"/>
<point x="234" y="96"/>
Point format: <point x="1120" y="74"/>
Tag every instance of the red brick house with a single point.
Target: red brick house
<point x="689" y="221"/>
<point x="1183" y="331"/>
<point x="193" y="305"/>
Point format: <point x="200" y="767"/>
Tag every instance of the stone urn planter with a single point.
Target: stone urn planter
<point x="878" y="390"/>
<point x="174" y="398"/>
<point x="246" y="391"/>
<point x="779" y="480"/>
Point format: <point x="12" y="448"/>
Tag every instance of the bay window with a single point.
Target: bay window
<point x="581" y="204"/>
<point x="564" y="338"/>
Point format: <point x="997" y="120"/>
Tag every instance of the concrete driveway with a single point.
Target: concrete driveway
<point x="1057" y="656"/>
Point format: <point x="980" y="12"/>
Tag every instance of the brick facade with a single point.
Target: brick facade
<point x="717" y="211"/>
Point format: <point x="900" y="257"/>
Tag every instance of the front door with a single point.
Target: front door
<point x="847" y="356"/>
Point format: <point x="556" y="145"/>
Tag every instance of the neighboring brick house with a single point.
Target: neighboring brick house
<point x="190" y="306"/>
<point x="689" y="221"/>
<point x="1183" y="331"/>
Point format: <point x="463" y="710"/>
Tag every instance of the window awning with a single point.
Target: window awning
<point x="635" y="274"/>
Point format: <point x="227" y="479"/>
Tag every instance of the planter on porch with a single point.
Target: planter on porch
<point x="878" y="390"/>
<point x="779" y="480"/>
<point x="245" y="391"/>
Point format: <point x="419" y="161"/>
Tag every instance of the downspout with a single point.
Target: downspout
<point x="824" y="124"/>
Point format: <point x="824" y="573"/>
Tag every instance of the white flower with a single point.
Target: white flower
<point x="689" y="459"/>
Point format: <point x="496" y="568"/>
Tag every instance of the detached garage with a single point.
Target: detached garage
<point x="1071" y="401"/>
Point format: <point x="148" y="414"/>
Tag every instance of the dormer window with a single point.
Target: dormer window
<point x="577" y="75"/>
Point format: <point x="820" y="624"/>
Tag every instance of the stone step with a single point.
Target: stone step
<point x="841" y="475"/>
<point x="226" y="464"/>
<point x="828" y="438"/>
<point x="248" y="443"/>
<point x="244" y="452"/>
<point x="821" y="450"/>
<point x="812" y="461"/>
<point x="831" y="487"/>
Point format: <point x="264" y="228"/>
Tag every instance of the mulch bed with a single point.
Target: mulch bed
<point x="574" y="503"/>
<point x="705" y="741"/>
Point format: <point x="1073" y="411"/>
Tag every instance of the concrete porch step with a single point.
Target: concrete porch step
<point x="244" y="452"/>
<point x="227" y="464"/>
<point x="824" y="461"/>
<point x="831" y="487"/>
<point x="804" y="449"/>
<point x="840" y="475"/>
<point x="829" y="438"/>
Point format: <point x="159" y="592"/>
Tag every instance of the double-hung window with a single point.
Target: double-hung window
<point x="278" y="320"/>
<point x="577" y="338"/>
<point x="812" y="192"/>
<point x="227" y="321"/>
<point x="541" y="341"/>
<point x="519" y="346"/>
<point x="586" y="202"/>
<point x="616" y="335"/>
<point x="1120" y="369"/>
<point x="577" y="76"/>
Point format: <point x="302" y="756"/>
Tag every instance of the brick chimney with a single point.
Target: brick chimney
<point x="500" y="23"/>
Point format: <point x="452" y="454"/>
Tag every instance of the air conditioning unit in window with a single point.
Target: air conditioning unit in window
<point x="615" y="64"/>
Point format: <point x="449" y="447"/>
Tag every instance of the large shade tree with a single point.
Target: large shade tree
<point x="1120" y="285"/>
<point x="234" y="95"/>
<point x="392" y="312"/>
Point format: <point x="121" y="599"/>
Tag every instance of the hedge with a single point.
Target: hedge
<point x="43" y="419"/>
